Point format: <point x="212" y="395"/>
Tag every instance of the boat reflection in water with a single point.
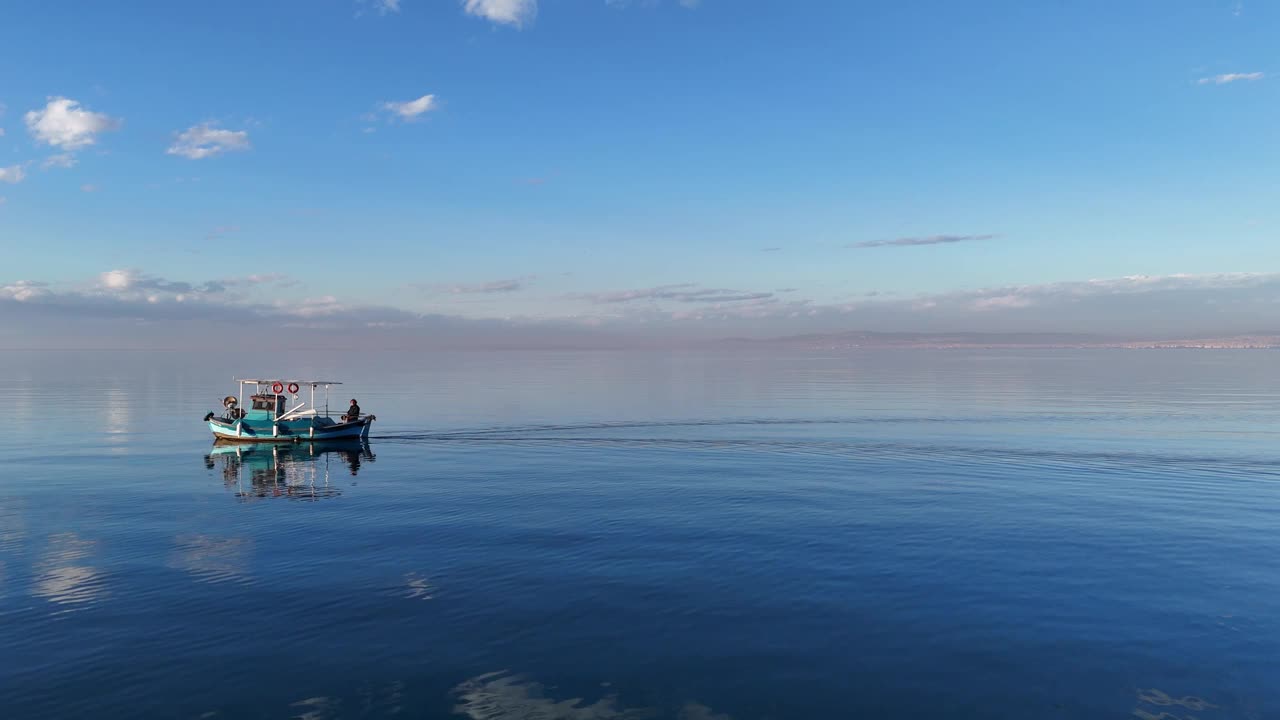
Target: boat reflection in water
<point x="299" y="471"/>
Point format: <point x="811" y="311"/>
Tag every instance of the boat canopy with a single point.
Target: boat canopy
<point x="312" y="383"/>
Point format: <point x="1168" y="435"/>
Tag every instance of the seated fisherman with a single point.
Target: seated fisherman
<point x="353" y="413"/>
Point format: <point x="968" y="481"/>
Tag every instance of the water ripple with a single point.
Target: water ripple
<point x="64" y="578"/>
<point x="547" y="435"/>
<point x="213" y="559"/>
<point x="502" y="695"/>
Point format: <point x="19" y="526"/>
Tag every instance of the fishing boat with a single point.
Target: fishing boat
<point x="273" y="416"/>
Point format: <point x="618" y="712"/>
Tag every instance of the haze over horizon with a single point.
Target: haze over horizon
<point x="497" y="173"/>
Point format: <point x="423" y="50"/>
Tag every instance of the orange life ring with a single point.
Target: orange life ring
<point x="293" y="388"/>
<point x="277" y="388"/>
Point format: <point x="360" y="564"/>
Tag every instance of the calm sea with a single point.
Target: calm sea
<point x="703" y="536"/>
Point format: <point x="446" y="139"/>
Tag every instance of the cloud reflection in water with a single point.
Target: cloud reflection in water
<point x="213" y="559"/>
<point x="62" y="576"/>
<point x="504" y="696"/>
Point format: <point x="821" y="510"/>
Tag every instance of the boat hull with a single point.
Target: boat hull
<point x="306" y="430"/>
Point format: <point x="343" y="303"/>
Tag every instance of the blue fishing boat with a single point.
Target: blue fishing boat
<point x="273" y="416"/>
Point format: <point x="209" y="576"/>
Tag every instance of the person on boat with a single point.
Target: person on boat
<point x="353" y="413"/>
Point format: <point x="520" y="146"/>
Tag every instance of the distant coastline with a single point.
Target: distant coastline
<point x="1012" y="341"/>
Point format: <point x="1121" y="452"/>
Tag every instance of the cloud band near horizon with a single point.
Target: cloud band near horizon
<point x="155" y="308"/>
<point x="916" y="241"/>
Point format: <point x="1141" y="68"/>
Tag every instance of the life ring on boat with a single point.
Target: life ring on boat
<point x="277" y="388"/>
<point x="293" y="388"/>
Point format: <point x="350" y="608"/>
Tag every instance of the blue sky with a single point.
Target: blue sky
<point x="653" y="167"/>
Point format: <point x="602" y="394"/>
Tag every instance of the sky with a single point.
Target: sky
<point x="500" y="173"/>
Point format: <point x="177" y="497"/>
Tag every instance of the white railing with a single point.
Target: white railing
<point x="297" y="412"/>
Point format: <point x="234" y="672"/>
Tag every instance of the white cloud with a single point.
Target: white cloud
<point x="624" y="4"/>
<point x="382" y="7"/>
<point x="89" y="187"/>
<point x="1229" y="78"/>
<point x="914" y="241"/>
<point x="61" y="160"/>
<point x="63" y="123"/>
<point x="221" y="231"/>
<point x="683" y="292"/>
<point x="130" y="284"/>
<point x="264" y="278"/>
<point x="1000" y="302"/>
<point x="1137" y="306"/>
<point x="1073" y="293"/>
<point x="1102" y="294"/>
<point x="205" y="140"/>
<point x="1134" y="306"/>
<point x="126" y="307"/>
<point x="279" y="279"/>
<point x="24" y="290"/>
<point x="506" y="12"/>
<point x="12" y="174"/>
<point x="1" y="132"/>
<point x="495" y="286"/>
<point x="411" y="109"/>
<point x="313" y="307"/>
<point x="118" y="279"/>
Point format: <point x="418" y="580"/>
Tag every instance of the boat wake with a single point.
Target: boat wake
<point x="507" y="431"/>
<point x="775" y="438"/>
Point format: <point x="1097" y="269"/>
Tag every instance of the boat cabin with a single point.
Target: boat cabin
<point x="265" y="407"/>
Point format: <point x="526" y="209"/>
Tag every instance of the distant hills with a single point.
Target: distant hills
<point x="859" y="339"/>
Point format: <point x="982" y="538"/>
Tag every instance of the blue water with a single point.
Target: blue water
<point x="704" y="536"/>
